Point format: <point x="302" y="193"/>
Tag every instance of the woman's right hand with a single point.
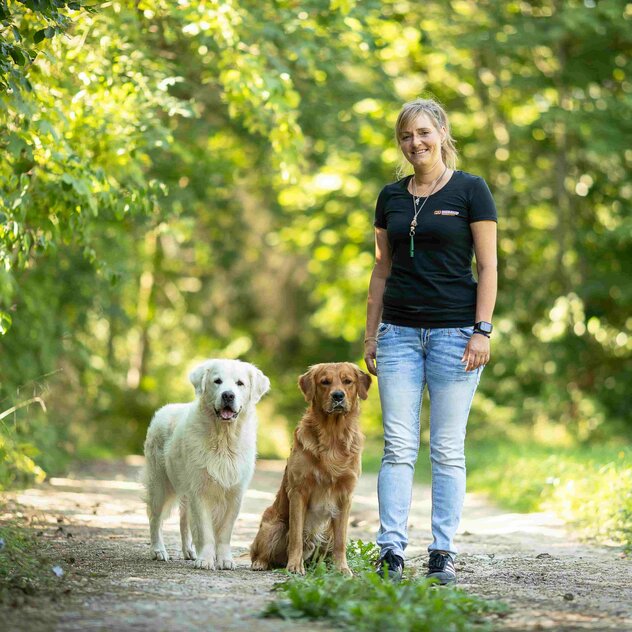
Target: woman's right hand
<point x="370" y="348"/>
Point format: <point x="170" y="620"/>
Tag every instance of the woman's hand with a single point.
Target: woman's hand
<point x="370" y="348"/>
<point x="477" y="352"/>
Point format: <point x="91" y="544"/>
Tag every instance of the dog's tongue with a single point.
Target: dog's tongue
<point x="226" y="413"/>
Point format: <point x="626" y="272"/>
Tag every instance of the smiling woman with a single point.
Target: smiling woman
<point x="428" y="322"/>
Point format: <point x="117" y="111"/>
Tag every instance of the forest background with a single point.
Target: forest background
<point x="191" y="179"/>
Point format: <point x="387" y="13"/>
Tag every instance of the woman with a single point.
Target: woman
<point x="428" y="324"/>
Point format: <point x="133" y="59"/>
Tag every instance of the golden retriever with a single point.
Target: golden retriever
<point x="311" y="509"/>
<point x="203" y="453"/>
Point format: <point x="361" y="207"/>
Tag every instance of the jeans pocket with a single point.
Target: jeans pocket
<point x="383" y="329"/>
<point x="465" y="332"/>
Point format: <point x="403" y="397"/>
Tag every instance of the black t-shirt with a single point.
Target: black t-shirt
<point x="436" y="287"/>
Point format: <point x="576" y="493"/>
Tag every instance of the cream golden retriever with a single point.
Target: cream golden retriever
<point x="311" y="510"/>
<point x="203" y="454"/>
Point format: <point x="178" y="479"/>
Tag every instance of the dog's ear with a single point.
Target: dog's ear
<point x="197" y="377"/>
<point x="307" y="385"/>
<point x="260" y="384"/>
<point x="364" y="382"/>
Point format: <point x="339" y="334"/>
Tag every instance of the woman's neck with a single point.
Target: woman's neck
<point x="425" y="177"/>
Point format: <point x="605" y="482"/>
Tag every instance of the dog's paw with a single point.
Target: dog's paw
<point x="189" y="553"/>
<point x="297" y="568"/>
<point x="259" y="565"/>
<point x="226" y="564"/>
<point x="160" y="553"/>
<point x="345" y="570"/>
<point x="205" y="563"/>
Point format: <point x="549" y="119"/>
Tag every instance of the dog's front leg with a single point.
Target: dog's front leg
<point x="203" y="532"/>
<point x="225" y="532"/>
<point x="298" y="508"/>
<point x="340" y="522"/>
<point x="188" y="551"/>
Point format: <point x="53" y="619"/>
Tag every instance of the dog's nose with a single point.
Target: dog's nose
<point x="228" y="397"/>
<point x="338" y="396"/>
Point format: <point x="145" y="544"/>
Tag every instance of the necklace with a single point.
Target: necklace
<point x="416" y="210"/>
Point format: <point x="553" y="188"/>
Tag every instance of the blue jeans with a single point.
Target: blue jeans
<point x="408" y="359"/>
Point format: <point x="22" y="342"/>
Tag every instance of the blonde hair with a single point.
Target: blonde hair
<point x="435" y="112"/>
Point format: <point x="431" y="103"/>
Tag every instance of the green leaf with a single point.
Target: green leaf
<point x="18" y="56"/>
<point x="39" y="36"/>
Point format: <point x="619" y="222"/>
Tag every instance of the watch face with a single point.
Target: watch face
<point x="485" y="327"/>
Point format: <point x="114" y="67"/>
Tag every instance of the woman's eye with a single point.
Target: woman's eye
<point x="218" y="381"/>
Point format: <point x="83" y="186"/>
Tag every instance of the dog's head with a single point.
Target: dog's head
<point x="334" y="387"/>
<point x="226" y="387"/>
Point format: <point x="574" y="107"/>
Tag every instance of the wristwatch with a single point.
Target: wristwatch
<point x="483" y="327"/>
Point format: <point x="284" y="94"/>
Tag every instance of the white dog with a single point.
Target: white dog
<point x="203" y="453"/>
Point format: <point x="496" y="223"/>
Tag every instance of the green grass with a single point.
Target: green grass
<point x="366" y="602"/>
<point x="27" y="565"/>
<point x="589" y="487"/>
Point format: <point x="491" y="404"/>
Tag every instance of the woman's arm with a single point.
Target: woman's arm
<point x="381" y="270"/>
<point x="477" y="352"/>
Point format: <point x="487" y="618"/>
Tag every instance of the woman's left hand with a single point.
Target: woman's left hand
<point x="477" y="352"/>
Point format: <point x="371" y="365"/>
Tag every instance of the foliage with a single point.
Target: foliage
<point x="590" y="487"/>
<point x="366" y="602"/>
<point x="27" y="566"/>
<point x="197" y="179"/>
<point x="24" y="25"/>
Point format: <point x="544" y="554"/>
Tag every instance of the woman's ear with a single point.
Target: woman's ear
<point x="307" y="385"/>
<point x="364" y="383"/>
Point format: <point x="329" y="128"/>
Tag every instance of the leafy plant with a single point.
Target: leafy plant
<point x="366" y="602"/>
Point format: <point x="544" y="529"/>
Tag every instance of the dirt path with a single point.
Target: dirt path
<point x="97" y="524"/>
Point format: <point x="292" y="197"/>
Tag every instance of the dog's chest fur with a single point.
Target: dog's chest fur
<point x="228" y="460"/>
<point x="224" y="453"/>
<point x="335" y="468"/>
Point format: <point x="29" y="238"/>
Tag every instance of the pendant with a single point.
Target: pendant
<point x="412" y="244"/>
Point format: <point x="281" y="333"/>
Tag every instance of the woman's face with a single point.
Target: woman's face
<point x="420" y="142"/>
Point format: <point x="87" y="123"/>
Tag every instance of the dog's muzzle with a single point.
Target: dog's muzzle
<point x="228" y="410"/>
<point x="337" y="403"/>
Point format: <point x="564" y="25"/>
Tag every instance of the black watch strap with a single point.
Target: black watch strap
<point x="483" y="327"/>
<point x="482" y="333"/>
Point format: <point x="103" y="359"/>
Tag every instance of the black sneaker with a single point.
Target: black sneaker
<point x="441" y="567"/>
<point x="390" y="566"/>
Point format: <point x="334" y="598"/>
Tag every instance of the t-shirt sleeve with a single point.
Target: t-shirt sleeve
<point x="380" y="211"/>
<point x="482" y="205"/>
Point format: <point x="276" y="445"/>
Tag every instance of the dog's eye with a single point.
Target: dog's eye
<point x="218" y="381"/>
<point x="347" y="381"/>
<point x="325" y="382"/>
<point x="240" y="383"/>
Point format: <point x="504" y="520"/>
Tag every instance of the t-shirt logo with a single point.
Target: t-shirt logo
<point x="446" y="212"/>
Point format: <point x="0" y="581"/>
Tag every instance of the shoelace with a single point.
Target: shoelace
<point x="392" y="560"/>
<point x="438" y="562"/>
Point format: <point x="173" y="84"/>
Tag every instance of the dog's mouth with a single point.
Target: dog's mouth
<point x="227" y="413"/>
<point x="336" y="408"/>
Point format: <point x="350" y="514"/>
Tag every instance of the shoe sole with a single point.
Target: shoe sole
<point x="442" y="582"/>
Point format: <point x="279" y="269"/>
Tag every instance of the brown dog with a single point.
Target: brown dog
<point x="311" y="510"/>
